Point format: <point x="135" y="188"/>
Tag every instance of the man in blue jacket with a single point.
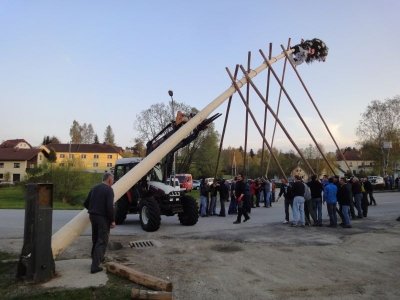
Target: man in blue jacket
<point x="330" y="192"/>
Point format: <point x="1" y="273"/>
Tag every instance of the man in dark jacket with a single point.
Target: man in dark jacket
<point x="298" y="190"/>
<point x="240" y="191"/>
<point x="345" y="197"/>
<point x="100" y="206"/>
<point x="370" y="191"/>
<point x="316" y="198"/>
<point x="286" y="191"/>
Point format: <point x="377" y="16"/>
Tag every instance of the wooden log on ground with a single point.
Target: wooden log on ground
<point x="150" y="295"/>
<point x="146" y="280"/>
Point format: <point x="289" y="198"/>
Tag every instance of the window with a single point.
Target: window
<point x="109" y="156"/>
<point x="71" y="156"/>
<point x="95" y="156"/>
<point x="1" y="176"/>
<point x="17" y="165"/>
<point x="109" y="165"/>
<point x="95" y="165"/>
<point x="61" y="164"/>
<point x="83" y="156"/>
<point x="1" y="165"/>
<point x="62" y="155"/>
<point x="40" y="156"/>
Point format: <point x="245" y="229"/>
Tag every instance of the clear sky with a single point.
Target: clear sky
<point x="103" y="62"/>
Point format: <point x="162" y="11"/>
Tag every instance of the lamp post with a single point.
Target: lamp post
<point x="171" y="94"/>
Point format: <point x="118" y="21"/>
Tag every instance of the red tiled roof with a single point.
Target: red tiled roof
<point x="13" y="143"/>
<point x="10" y="154"/>
<point x="349" y="154"/>
<point x="85" y="148"/>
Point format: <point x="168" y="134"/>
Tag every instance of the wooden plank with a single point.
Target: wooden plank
<point x="150" y="295"/>
<point x="146" y="280"/>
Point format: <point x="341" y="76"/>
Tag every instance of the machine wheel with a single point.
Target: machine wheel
<point x="121" y="210"/>
<point x="149" y="214"/>
<point x="190" y="214"/>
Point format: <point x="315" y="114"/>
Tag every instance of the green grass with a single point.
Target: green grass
<point x="11" y="288"/>
<point x="14" y="198"/>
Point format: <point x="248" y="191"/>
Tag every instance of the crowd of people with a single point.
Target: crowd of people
<point x="347" y="199"/>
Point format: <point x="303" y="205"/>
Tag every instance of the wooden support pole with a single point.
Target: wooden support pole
<point x="316" y="108"/>
<point x="279" y="121"/>
<point x="247" y="119"/>
<point x="150" y="295"/>
<point x="278" y="106"/>
<point x="146" y="280"/>
<point x="298" y="113"/>
<point x="224" y="128"/>
<point x="255" y="122"/>
<point x="266" y="111"/>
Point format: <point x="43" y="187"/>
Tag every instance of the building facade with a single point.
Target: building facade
<point x="16" y="158"/>
<point x="90" y="157"/>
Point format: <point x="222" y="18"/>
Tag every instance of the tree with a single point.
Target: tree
<point x="96" y="139"/>
<point x="52" y="156"/>
<point x="50" y="140"/>
<point x="87" y="134"/>
<point x="138" y="148"/>
<point x="75" y="133"/>
<point x="109" y="136"/>
<point x="153" y="120"/>
<point x="380" y="123"/>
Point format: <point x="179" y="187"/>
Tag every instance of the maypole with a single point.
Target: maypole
<point x="74" y="228"/>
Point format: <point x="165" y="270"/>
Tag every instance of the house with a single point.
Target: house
<point x="355" y="162"/>
<point x="91" y="157"/>
<point x="16" y="157"/>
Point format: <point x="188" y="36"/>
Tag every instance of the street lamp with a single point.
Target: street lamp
<point x="171" y="94"/>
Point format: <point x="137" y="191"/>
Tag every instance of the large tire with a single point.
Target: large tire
<point x="190" y="214"/>
<point x="150" y="214"/>
<point x="121" y="210"/>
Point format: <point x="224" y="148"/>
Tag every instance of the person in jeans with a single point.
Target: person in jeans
<point x="330" y="197"/>
<point x="316" y="198"/>
<point x="345" y="197"/>
<point x="357" y="194"/>
<point x="298" y="202"/>
<point x="100" y="206"/>
<point x="286" y="191"/>
<point x="223" y="196"/>
<point x="267" y="193"/>
<point x="203" y="198"/>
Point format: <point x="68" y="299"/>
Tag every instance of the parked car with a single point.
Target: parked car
<point x="186" y="181"/>
<point x="377" y="182"/>
<point x="196" y="184"/>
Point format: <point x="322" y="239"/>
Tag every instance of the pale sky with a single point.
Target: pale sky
<point x="103" y="62"/>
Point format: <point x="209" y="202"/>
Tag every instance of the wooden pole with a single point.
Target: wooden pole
<point x="247" y="119"/>
<point x="150" y="295"/>
<point x="279" y="122"/>
<point x="255" y="123"/>
<point x="146" y="280"/>
<point x="298" y="113"/>
<point x="316" y="108"/>
<point x="278" y="106"/>
<point x="224" y="128"/>
<point x="69" y="232"/>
